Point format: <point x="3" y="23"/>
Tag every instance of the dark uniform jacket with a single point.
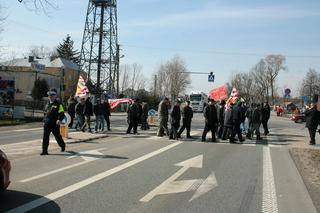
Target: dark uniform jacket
<point x="221" y="112"/>
<point x="98" y="109"/>
<point x="265" y="113"/>
<point x="187" y="114"/>
<point x="80" y="108"/>
<point x="249" y="114"/>
<point x="312" y="118"/>
<point x="133" y="111"/>
<point x="210" y="115"/>
<point x="106" y="109"/>
<point x="54" y="111"/>
<point x="228" y="118"/>
<point x="237" y="114"/>
<point x="256" y="116"/>
<point x="89" y="108"/>
<point x="176" y="116"/>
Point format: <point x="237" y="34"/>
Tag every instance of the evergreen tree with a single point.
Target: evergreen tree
<point x="66" y="50"/>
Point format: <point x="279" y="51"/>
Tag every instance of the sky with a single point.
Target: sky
<point x="220" y="36"/>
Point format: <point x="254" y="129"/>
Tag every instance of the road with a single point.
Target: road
<point x="145" y="173"/>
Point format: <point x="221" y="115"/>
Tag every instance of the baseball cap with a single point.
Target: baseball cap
<point x="52" y="92"/>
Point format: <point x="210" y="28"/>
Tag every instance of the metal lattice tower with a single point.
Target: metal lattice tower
<point x="100" y="48"/>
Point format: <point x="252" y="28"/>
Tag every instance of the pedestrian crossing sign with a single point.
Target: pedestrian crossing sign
<point x="211" y="77"/>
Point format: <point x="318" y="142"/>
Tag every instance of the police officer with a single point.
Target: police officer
<point x="211" y="120"/>
<point x="187" y="115"/>
<point x="54" y="114"/>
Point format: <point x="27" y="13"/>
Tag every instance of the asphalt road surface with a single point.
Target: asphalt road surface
<point x="145" y="173"/>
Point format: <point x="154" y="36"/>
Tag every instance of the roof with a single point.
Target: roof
<point x="22" y="62"/>
<point x="58" y="62"/>
<point x="61" y="62"/>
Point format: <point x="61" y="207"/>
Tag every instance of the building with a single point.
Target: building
<point x="60" y="73"/>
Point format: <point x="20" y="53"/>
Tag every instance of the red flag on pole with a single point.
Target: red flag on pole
<point x="115" y="102"/>
<point x="219" y="93"/>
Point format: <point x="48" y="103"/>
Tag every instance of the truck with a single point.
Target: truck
<point x="198" y="101"/>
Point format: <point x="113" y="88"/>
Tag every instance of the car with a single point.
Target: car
<point x="298" y="118"/>
<point x="5" y="168"/>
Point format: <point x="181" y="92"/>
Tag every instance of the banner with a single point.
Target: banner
<point x="219" y="93"/>
<point x="115" y="102"/>
<point x="82" y="89"/>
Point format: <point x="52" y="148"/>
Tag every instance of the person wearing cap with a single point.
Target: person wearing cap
<point x="211" y="120"/>
<point x="163" y="113"/>
<point x="187" y="115"/>
<point x="175" y="120"/>
<point x="54" y="114"/>
<point x="312" y="120"/>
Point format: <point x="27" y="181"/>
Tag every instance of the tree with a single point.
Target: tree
<point x="39" y="89"/>
<point x="40" y="5"/>
<point x="274" y="64"/>
<point x="311" y="83"/>
<point x="43" y="52"/>
<point x="173" y="78"/>
<point x="261" y="82"/>
<point x="66" y="50"/>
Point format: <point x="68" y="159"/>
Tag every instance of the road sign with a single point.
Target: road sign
<point x="172" y="185"/>
<point x="38" y="67"/>
<point x="211" y="77"/>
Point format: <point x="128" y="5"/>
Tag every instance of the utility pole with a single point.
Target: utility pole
<point x="155" y="85"/>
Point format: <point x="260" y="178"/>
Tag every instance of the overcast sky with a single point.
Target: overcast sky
<point x="223" y="37"/>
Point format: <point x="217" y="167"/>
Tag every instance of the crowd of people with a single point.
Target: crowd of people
<point x="225" y="122"/>
<point x="82" y="111"/>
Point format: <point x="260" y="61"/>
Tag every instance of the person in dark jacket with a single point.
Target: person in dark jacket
<point x="133" y="111"/>
<point x="144" y="116"/>
<point x="237" y="117"/>
<point x="187" y="115"/>
<point x="106" y="113"/>
<point x="54" y="114"/>
<point x="265" y="117"/>
<point x="163" y="113"/>
<point x="312" y="121"/>
<point x="88" y="112"/>
<point x="249" y="117"/>
<point x="228" y="124"/>
<point x="98" y="112"/>
<point x="175" y="120"/>
<point x="139" y="111"/>
<point x="79" y="109"/>
<point x="211" y="121"/>
<point x="221" y="111"/>
<point x="256" y="121"/>
<point x="72" y="109"/>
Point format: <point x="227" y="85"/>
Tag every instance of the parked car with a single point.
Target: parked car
<point x="298" y="118"/>
<point x="5" y="168"/>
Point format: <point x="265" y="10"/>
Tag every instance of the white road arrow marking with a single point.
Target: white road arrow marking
<point x="171" y="186"/>
<point x="90" y="155"/>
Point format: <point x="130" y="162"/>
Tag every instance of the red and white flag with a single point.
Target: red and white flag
<point x="115" y="102"/>
<point x="82" y="89"/>
<point x="233" y="98"/>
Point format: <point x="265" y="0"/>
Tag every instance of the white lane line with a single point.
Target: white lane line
<point x="25" y="130"/>
<point x="53" y="172"/>
<point x="269" y="196"/>
<point x="62" y="192"/>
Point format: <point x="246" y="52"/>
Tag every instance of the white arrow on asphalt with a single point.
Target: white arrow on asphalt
<point x="89" y="155"/>
<point x="171" y="186"/>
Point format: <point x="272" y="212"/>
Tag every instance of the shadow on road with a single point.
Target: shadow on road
<point x="11" y="199"/>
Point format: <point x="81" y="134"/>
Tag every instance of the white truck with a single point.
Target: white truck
<point x="198" y="101"/>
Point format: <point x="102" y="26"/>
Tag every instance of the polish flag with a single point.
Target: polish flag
<point x="82" y="89"/>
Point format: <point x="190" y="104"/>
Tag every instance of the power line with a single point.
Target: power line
<point x="216" y="52"/>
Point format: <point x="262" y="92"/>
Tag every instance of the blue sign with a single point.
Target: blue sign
<point x="39" y="67"/>
<point x="152" y="112"/>
<point x="211" y="77"/>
